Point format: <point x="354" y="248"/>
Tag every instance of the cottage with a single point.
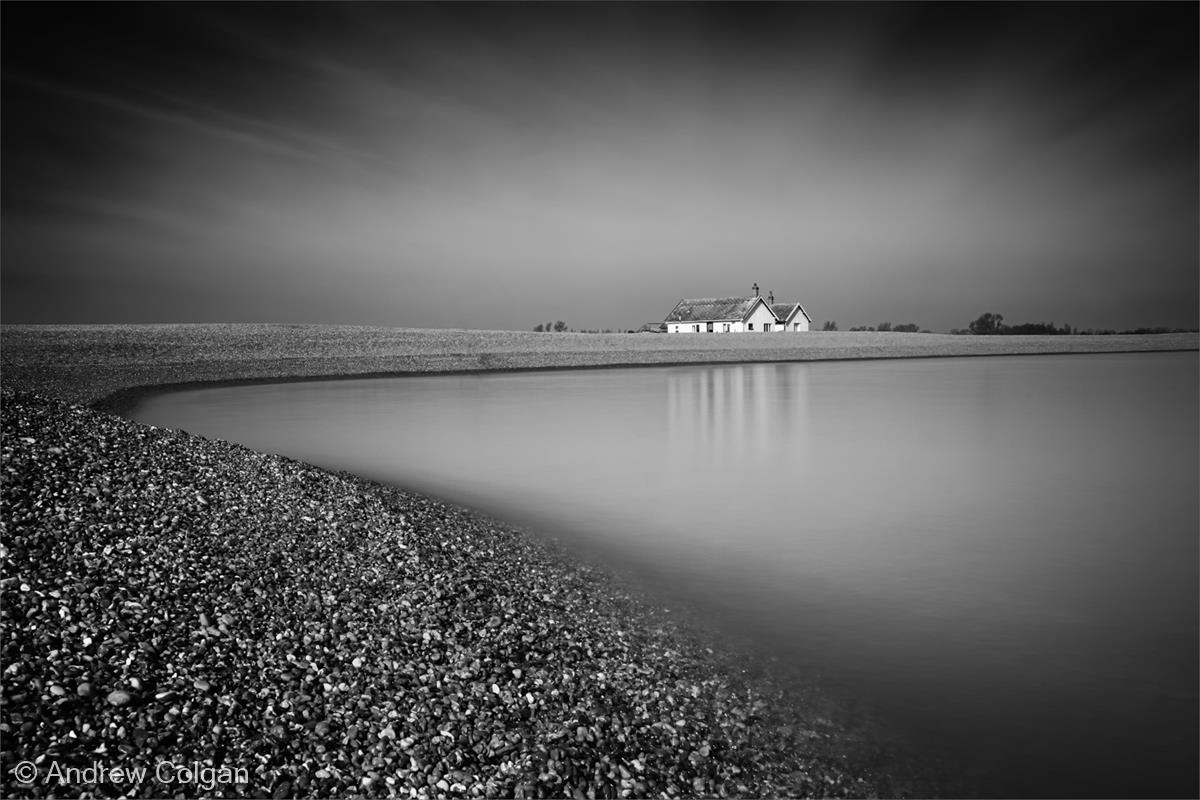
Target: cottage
<point x="737" y="315"/>
<point x="791" y="316"/>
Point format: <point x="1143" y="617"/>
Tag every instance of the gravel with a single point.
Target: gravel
<point x="168" y="598"/>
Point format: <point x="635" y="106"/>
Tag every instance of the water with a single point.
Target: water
<point x="998" y="555"/>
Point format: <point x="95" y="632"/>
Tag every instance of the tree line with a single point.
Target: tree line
<point x="883" y="327"/>
<point x="992" y="324"/>
<point x="561" y="327"/>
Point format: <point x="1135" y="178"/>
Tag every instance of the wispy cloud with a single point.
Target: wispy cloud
<point x="371" y="157"/>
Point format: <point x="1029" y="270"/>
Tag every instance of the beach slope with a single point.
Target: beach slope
<point x="173" y="600"/>
<point x="192" y="608"/>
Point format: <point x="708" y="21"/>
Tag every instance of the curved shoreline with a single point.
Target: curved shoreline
<point x="175" y="598"/>
<point x="86" y="466"/>
<point x="122" y="401"/>
<point x="111" y="366"/>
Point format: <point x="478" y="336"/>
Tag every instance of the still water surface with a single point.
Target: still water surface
<point x="999" y="556"/>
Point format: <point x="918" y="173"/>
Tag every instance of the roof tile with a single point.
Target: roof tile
<point x="711" y="308"/>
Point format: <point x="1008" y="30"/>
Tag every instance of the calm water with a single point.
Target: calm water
<point x="998" y="556"/>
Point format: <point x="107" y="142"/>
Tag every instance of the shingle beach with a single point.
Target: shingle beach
<point x="237" y="624"/>
<point x="110" y="365"/>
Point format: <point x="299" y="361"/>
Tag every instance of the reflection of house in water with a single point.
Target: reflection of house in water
<point x="738" y="417"/>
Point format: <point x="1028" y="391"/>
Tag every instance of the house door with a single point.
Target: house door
<point x="710" y="328"/>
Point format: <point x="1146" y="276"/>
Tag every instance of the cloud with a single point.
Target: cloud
<point x="347" y="164"/>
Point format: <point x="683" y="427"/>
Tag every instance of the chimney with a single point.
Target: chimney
<point x="756" y="288"/>
<point x="771" y="298"/>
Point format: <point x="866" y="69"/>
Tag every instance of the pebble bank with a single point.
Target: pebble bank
<point x="173" y="599"/>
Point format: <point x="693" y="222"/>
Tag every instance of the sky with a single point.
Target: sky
<point x="500" y="165"/>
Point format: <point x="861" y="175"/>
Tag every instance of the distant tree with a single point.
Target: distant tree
<point x="560" y="326"/>
<point x="908" y="327"/>
<point x="539" y="328"/>
<point x="987" y="325"/>
<point x="830" y="325"/>
<point x="1145" y="331"/>
<point x="1032" y="328"/>
<point x="884" y="327"/>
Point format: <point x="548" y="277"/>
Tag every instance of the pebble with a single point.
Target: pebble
<point x="557" y="684"/>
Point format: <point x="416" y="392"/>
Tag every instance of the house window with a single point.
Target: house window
<point x="795" y="326"/>
<point x="749" y="326"/>
<point x="726" y="328"/>
<point x="710" y="327"/>
<point x="695" y="329"/>
<point x="766" y="327"/>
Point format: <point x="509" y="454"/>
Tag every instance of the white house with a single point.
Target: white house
<point x="737" y="315"/>
<point x="791" y="316"/>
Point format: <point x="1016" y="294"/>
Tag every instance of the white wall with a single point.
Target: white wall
<point x="759" y="317"/>
<point x="690" y="327"/>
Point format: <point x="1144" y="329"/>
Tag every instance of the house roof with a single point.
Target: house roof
<point x="785" y="311"/>
<point x="653" y="327"/>
<point x="713" y="309"/>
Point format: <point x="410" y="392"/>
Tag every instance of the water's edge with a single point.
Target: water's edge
<point x="122" y="401"/>
<point x="798" y="739"/>
<point x="491" y="507"/>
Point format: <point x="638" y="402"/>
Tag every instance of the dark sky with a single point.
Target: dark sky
<point x="496" y="166"/>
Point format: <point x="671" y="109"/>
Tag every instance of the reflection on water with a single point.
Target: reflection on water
<point x="719" y="417"/>
<point x="1000" y="554"/>
<point x="731" y="430"/>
